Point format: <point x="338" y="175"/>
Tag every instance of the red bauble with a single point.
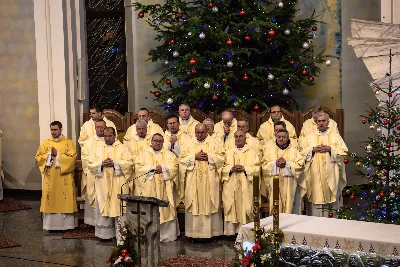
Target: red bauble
<point x="172" y="41"/>
<point x="124" y="251"/>
<point x="256" y="107"/>
<point x="330" y="214"/>
<point x="214" y="97"/>
<point x="373" y="205"/>
<point x="352" y="197"/>
<point x="363" y="121"/>
<point x="385" y="122"/>
<point x="396" y="118"/>
<point x="304" y="72"/>
<point x="346" y="161"/>
<point x="382" y="115"/>
<point x="271" y="33"/>
<point x="287" y="102"/>
<point x="245" y="77"/>
<point x="388" y="145"/>
<point x="192" y="61"/>
<point x="224" y="80"/>
<point x="397" y="140"/>
<point x="242" y="13"/>
<point x="269" y="39"/>
<point x="247" y="38"/>
<point x="157" y="94"/>
<point x="180" y="15"/>
<point x="389" y="95"/>
<point x="210" y="4"/>
<point x="381" y="194"/>
<point x="396" y="191"/>
<point x="194" y="71"/>
<point x="311" y="78"/>
<point x="314" y="28"/>
<point x="229" y="42"/>
<point x="168" y="81"/>
<point x="141" y="15"/>
<point x="292" y="62"/>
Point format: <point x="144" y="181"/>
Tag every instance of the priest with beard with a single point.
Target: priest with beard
<point x="200" y="164"/>
<point x="241" y="164"/>
<point x="159" y="169"/>
<point x="284" y="160"/>
<point x="112" y="166"/>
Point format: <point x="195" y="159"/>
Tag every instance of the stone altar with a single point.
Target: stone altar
<point x="143" y="220"/>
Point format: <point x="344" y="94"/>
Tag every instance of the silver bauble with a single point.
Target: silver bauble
<point x="287" y="31"/>
<point x="206" y="85"/>
<point x="378" y="162"/>
<point x="392" y="195"/>
<point x="170" y="101"/>
<point x="280" y="4"/>
<point x="175" y="54"/>
<point x="379" y="129"/>
<point x="166" y="62"/>
<point x="202" y="35"/>
<point x="214" y="9"/>
<point x="306" y="45"/>
<point x="270" y="77"/>
<point x="285" y="91"/>
<point x="328" y="62"/>
<point x="229" y="64"/>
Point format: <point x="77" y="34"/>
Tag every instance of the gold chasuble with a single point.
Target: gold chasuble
<point x="137" y="144"/>
<point x="58" y="188"/>
<point x="309" y="126"/>
<point x="288" y="176"/>
<point x="87" y="185"/>
<point x="161" y="185"/>
<point x="202" y="194"/>
<point x="188" y="126"/>
<point x="152" y="128"/>
<point x="108" y="180"/>
<point x="324" y="172"/>
<point x="88" y="130"/>
<point x="237" y="195"/>
<point x="251" y="141"/>
<point x="266" y="131"/>
<point x="219" y="129"/>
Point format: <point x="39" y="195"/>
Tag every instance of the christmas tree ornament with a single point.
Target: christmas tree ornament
<point x="396" y="191"/>
<point x="373" y="205"/>
<point x="245" y="77"/>
<point x="280" y="4"/>
<point x="167" y="81"/>
<point x="224" y="80"/>
<point x="363" y="121"/>
<point x="270" y="77"/>
<point x="381" y="194"/>
<point x="214" y="97"/>
<point x="229" y="42"/>
<point x="285" y="91"/>
<point x="314" y="28"/>
<point x="378" y="162"/>
<point x="236" y="104"/>
<point x="287" y="102"/>
<point x="385" y="122"/>
<point x="377" y="92"/>
<point x="379" y="129"/>
<point x="328" y="62"/>
<point x="202" y="35"/>
<point x="346" y="161"/>
<point x="358" y="164"/>
<point x="140" y="14"/>
<point x="271" y="33"/>
<point x="170" y="101"/>
<point x="378" y="197"/>
<point x="180" y="15"/>
<point x="214" y="9"/>
<point x="287" y="32"/>
<point x="390" y="95"/>
<point x="352" y="197"/>
<point x="268" y="40"/>
<point x="311" y="78"/>
<point x="306" y="45"/>
<point x="175" y="54"/>
<point x="388" y="145"/>
<point x="304" y="72"/>
<point x="372" y="127"/>
<point x="229" y="64"/>
<point x="172" y="41"/>
<point x="210" y="5"/>
<point x="206" y="85"/>
<point x="194" y="71"/>
<point x="157" y="94"/>
<point x="166" y="62"/>
<point x="392" y="195"/>
<point x="242" y="13"/>
<point x="292" y="62"/>
<point x="192" y="61"/>
<point x="330" y="214"/>
<point x="190" y="34"/>
<point x="256" y="107"/>
<point x="247" y="37"/>
<point x="124" y="251"/>
<point x="397" y="140"/>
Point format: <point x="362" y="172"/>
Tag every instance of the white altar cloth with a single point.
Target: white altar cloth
<point x="319" y="233"/>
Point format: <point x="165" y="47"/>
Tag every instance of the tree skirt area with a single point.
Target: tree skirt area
<point x="83" y="231"/>
<point x="10" y="204"/>
<point x="6" y="243"/>
<point x="181" y="261"/>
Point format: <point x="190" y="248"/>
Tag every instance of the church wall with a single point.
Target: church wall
<point x="19" y="119"/>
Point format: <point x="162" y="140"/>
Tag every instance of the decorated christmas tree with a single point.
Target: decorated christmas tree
<point x="380" y="200"/>
<point x="225" y="53"/>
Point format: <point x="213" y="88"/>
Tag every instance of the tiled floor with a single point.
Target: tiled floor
<point x="41" y="249"/>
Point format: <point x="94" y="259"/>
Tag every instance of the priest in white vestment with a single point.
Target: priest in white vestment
<point x="200" y="164"/>
<point x="87" y="184"/>
<point x="112" y="166"/>
<point x="311" y="124"/>
<point x="141" y="140"/>
<point x="187" y="123"/>
<point x="243" y="125"/>
<point x="152" y="128"/>
<point x="266" y="130"/>
<point x="227" y="127"/>
<point x="88" y="129"/>
<point x="324" y="173"/>
<point x="159" y="168"/>
<point x="284" y="160"/>
<point x="279" y="125"/>
<point x="241" y="163"/>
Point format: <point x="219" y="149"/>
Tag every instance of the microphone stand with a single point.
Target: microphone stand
<point x="127" y="182"/>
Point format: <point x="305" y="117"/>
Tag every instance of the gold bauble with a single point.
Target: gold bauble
<point x="358" y="164"/>
<point x="372" y="127"/>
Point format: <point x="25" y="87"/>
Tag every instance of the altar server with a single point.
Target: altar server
<point x="241" y="164"/>
<point x="160" y="169"/>
<point x="87" y="186"/>
<point x="324" y="150"/>
<point x="56" y="159"/>
<point x="88" y="128"/>
<point x="284" y="160"/>
<point x="111" y="165"/>
<point x="200" y="165"/>
<point x="187" y="123"/>
<point x="152" y="128"/>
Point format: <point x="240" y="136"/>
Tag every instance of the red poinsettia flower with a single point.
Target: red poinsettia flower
<point x="111" y="258"/>
<point x="256" y="247"/>
<point x="245" y="261"/>
<point x="249" y="256"/>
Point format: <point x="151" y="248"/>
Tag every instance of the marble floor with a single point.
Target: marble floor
<point x="38" y="248"/>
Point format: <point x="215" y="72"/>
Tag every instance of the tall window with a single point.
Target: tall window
<point x="105" y="31"/>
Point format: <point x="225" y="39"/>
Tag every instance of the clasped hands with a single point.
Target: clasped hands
<point x="237" y="168"/>
<point x="202" y="156"/>
<point x="321" y="149"/>
<point x="173" y="139"/>
<point x="108" y="163"/>
<point x="227" y="130"/>
<point x="281" y="162"/>
<point x="158" y="169"/>
<point x="53" y="152"/>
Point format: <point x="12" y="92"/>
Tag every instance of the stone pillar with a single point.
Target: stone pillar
<point x="143" y="221"/>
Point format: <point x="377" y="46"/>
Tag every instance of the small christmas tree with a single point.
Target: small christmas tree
<point x="380" y="201"/>
<point x="224" y="53"/>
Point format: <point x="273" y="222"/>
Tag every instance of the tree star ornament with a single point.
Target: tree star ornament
<point x="270" y="77"/>
<point x="175" y="54"/>
<point x="229" y="64"/>
<point x="170" y="101"/>
<point x="206" y="85"/>
<point x="306" y="45"/>
<point x="202" y="35"/>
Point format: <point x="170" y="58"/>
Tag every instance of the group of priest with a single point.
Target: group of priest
<point x="208" y="167"/>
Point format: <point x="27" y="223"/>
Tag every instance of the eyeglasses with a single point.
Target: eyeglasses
<point x="158" y="141"/>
